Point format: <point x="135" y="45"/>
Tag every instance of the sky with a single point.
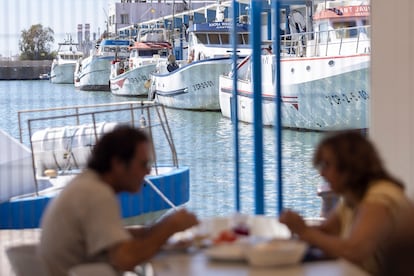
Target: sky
<point x="62" y="16"/>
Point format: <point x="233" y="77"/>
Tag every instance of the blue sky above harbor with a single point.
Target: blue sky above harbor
<point x="62" y="16"/>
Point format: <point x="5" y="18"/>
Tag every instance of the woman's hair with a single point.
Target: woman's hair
<point x="120" y="143"/>
<point x="356" y="159"/>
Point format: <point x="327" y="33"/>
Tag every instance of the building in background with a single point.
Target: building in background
<point x="129" y="12"/>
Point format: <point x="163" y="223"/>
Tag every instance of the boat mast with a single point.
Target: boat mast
<point x="173" y="26"/>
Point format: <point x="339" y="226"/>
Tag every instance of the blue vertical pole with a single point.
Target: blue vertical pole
<point x="256" y="38"/>
<point x="234" y="106"/>
<point x="269" y="26"/>
<point x="278" y="102"/>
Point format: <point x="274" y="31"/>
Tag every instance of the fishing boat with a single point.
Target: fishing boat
<point x="194" y="84"/>
<point x="324" y="74"/>
<point x="59" y="149"/>
<point x="63" y="66"/>
<point x="130" y="76"/>
<point x="93" y="72"/>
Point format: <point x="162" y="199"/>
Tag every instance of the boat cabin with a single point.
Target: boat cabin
<point x="339" y="28"/>
<point x="69" y="51"/>
<point x="344" y="28"/>
<point x="213" y="40"/>
<point x="148" y="52"/>
<point x="152" y="34"/>
<point x="109" y="47"/>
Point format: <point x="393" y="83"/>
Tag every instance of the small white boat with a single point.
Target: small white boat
<point x="63" y="66"/>
<point x="59" y="150"/>
<point x="130" y="77"/>
<point x="194" y="85"/>
<point x="44" y="76"/>
<point x="94" y="71"/>
<point x="324" y="74"/>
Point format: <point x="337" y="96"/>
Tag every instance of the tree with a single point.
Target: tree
<point x="35" y="43"/>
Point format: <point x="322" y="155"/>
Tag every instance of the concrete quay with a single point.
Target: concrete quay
<point x="24" y="69"/>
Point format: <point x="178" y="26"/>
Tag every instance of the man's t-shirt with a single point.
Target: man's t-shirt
<point x="80" y="224"/>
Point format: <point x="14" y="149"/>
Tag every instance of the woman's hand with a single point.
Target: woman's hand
<point x="293" y="221"/>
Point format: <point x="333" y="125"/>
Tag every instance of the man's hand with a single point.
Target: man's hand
<point x="181" y="220"/>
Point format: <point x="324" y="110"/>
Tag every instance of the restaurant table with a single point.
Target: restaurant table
<point x="197" y="263"/>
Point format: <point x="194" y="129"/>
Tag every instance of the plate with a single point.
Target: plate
<point x="226" y="252"/>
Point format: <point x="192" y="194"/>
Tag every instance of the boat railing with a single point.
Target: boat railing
<point x="61" y="138"/>
<point x="341" y="41"/>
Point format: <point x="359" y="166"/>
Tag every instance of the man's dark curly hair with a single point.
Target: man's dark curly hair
<point x="120" y="143"/>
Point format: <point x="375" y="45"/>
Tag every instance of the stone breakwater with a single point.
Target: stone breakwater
<point x="24" y="69"/>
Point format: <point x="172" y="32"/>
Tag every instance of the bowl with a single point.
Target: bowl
<point x="276" y="253"/>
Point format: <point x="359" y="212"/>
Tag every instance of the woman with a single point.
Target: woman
<point x="371" y="206"/>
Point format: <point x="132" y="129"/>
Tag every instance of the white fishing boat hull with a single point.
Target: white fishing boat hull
<point x="317" y="93"/>
<point x="194" y="86"/>
<point x="95" y="72"/>
<point x="62" y="72"/>
<point x="133" y="82"/>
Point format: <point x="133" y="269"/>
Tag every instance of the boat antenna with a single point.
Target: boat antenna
<point x="173" y="26"/>
<point x="107" y="20"/>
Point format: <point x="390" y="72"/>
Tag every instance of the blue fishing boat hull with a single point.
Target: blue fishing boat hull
<point x="26" y="212"/>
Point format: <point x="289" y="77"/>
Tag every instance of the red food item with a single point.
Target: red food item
<point x="242" y="230"/>
<point x="226" y="236"/>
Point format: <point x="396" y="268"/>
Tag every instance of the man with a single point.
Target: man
<point x="83" y="224"/>
<point x="172" y="64"/>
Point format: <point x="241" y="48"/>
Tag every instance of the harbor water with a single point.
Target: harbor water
<point x="204" y="143"/>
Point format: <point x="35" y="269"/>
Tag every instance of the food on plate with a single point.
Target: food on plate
<point x="225" y="236"/>
<point x="241" y="229"/>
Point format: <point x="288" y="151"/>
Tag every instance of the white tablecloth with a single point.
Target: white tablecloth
<point x="197" y="263"/>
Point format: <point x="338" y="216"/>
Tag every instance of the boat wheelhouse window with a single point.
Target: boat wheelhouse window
<point x="242" y="39"/>
<point x="225" y="38"/>
<point x="202" y="38"/>
<point x="345" y="29"/>
<point x="109" y="49"/>
<point x="163" y="53"/>
<point x="214" y="39"/>
<point x="68" y="57"/>
<point x="148" y="53"/>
